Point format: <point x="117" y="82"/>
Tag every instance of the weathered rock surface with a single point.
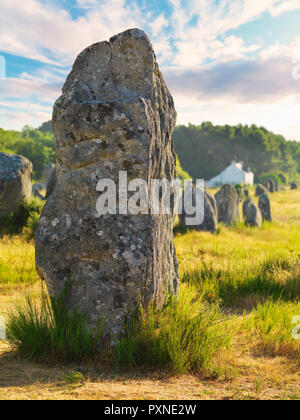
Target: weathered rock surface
<point x="228" y="200"/>
<point x="15" y="182"/>
<point x="260" y="189"/>
<point x="115" y="114"/>
<point x="264" y="205"/>
<point x="210" y="221"/>
<point x="253" y="215"/>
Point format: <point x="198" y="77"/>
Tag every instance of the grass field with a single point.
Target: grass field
<point x="252" y="274"/>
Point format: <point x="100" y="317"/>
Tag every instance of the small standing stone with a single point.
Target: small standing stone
<point x="37" y="190"/>
<point x="51" y="184"/>
<point x="228" y="200"/>
<point x="47" y="171"/>
<point x="271" y="185"/>
<point x="15" y="182"/>
<point x="245" y="205"/>
<point x="260" y="189"/>
<point x="264" y="205"/>
<point x="210" y="222"/>
<point x="253" y="215"/>
<point x="294" y="186"/>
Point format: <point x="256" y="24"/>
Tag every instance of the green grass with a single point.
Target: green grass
<point x="17" y="264"/>
<point x="44" y="330"/>
<point x="183" y="337"/>
<point x="276" y="278"/>
<point x="251" y="270"/>
<point x="253" y="275"/>
<point x="271" y="323"/>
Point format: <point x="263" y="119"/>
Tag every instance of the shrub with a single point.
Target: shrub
<point x="7" y="224"/>
<point x="181" y="174"/>
<point x="181" y="337"/>
<point x="28" y="216"/>
<point x="32" y="222"/>
<point x="45" y="330"/>
<point x="262" y="179"/>
<point x="30" y="206"/>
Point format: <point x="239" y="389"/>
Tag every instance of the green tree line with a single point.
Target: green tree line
<point x="205" y="150"/>
<point x="34" y="144"/>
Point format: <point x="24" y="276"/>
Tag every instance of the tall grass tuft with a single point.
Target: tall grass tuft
<point x="272" y="324"/>
<point x="182" y="337"/>
<point x="46" y="331"/>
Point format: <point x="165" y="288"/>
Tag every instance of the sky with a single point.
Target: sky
<point x="224" y="61"/>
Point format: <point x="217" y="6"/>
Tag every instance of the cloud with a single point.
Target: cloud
<point x="281" y="117"/>
<point x="38" y="88"/>
<point x="252" y="81"/>
<point x="47" y="32"/>
<point x="29" y="99"/>
<point x="285" y="6"/>
<point x="203" y="65"/>
<point x="18" y="119"/>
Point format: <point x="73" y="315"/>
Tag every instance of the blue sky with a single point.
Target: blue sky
<point x="225" y="61"/>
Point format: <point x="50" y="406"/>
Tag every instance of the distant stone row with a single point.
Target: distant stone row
<point x="224" y="208"/>
<point x="271" y="186"/>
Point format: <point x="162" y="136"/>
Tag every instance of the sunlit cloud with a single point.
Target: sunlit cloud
<point x="203" y="61"/>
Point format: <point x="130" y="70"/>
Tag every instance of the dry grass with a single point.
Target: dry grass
<point x="263" y="361"/>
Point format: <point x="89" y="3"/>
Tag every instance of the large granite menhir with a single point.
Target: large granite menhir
<point x="115" y="114"/>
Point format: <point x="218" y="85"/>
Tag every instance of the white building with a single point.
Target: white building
<point x="234" y="174"/>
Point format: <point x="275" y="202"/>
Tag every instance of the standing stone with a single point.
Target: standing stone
<point x="37" y="191"/>
<point x="253" y="215"/>
<point x="228" y="200"/>
<point x="265" y="207"/>
<point x="294" y="186"/>
<point x="210" y="222"/>
<point x="47" y="171"/>
<point x="271" y="185"/>
<point x="15" y="182"/>
<point x="245" y="205"/>
<point x="115" y="114"/>
<point x="51" y="184"/>
<point x="260" y="189"/>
